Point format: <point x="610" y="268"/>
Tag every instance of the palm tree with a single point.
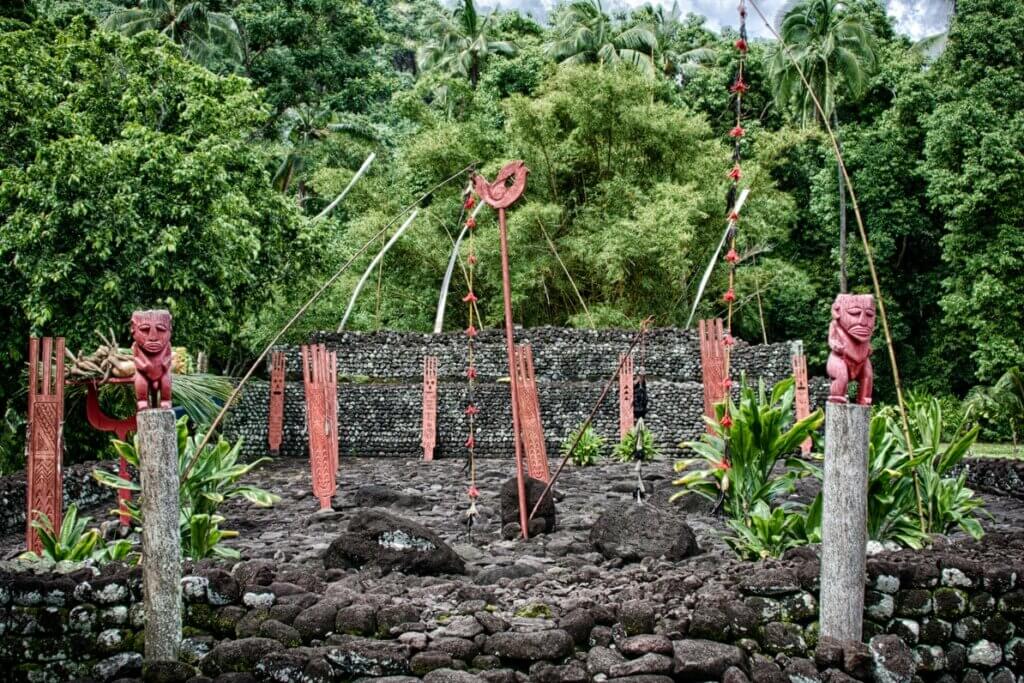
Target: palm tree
<point x="204" y="36"/>
<point x="584" y="34"/>
<point x="831" y="45"/>
<point x="668" y="27"/>
<point x="461" y="43"/>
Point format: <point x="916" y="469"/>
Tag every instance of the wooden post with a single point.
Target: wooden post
<point x="844" y="520"/>
<point x="802" y="400"/>
<point x="161" y="538"/>
<point x="429" y="424"/>
<point x="44" y="438"/>
<point x="625" y="394"/>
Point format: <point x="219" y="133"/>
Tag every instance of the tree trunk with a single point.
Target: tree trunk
<point x="842" y="211"/>
<point x="474" y="73"/>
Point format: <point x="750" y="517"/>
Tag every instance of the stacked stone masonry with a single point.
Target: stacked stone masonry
<point x="929" y="617"/>
<point x="380" y="389"/>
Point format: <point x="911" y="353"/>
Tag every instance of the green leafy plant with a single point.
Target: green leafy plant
<point x="588" y="448"/>
<point x="214" y="478"/>
<point x="71" y="543"/>
<point x="1001" y="404"/>
<point x="625" y="450"/>
<point x="762" y="434"/>
<point x="769" y="532"/>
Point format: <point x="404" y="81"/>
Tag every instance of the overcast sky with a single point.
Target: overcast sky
<point x="917" y="18"/>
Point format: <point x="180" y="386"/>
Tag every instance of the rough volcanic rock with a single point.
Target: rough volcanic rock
<point x="535" y="645"/>
<point x="704" y="660"/>
<point x="389" y="542"/>
<point x="534" y="490"/>
<point x="238" y="655"/>
<point x="632" y="532"/>
<point x="893" y="660"/>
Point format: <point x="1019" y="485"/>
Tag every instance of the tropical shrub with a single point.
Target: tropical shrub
<point x="213" y="479"/>
<point x="588" y="448"/>
<point x="772" y="531"/>
<point x="73" y="542"/>
<point x="625" y="450"/>
<point x="999" y="409"/>
<point x="762" y="434"/>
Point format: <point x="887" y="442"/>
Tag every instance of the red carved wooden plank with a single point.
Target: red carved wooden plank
<point x="319" y="376"/>
<point x="802" y="398"/>
<point x="429" y="441"/>
<point x="712" y="364"/>
<point x="275" y="428"/>
<point x="530" y="422"/>
<point x="45" y="434"/>
<point x="625" y="395"/>
<point x="122" y="427"/>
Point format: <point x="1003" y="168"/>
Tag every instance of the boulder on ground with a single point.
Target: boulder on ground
<point x="380" y="539"/>
<point x="631" y="532"/>
<point x="534" y="490"/>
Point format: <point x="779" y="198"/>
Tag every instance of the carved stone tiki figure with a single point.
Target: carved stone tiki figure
<point x="849" y="339"/>
<point x="151" y="347"/>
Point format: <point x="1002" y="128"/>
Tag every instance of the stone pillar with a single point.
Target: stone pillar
<point x="844" y="520"/>
<point x="161" y="537"/>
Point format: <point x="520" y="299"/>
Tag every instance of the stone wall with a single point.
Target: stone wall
<point x="380" y="389"/>
<point x="79" y="488"/>
<point x="929" y="616"/>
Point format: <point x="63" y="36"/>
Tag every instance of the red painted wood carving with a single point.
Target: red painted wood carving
<point x="429" y="441"/>
<point x="531" y="426"/>
<point x="849" y="342"/>
<point x="802" y="398"/>
<point x="151" y="347"/>
<point x="275" y="428"/>
<point x="319" y="374"/>
<point x="122" y="427"/>
<point x="45" y="440"/>
<point x="625" y="395"/>
<point x="712" y="364"/>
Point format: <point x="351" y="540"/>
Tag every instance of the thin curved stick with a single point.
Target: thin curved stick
<point x="864" y="241"/>
<point x="373" y="264"/>
<point x="442" y="297"/>
<point x="737" y="207"/>
<point x="298" y="314"/>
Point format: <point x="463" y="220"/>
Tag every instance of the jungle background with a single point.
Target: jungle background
<point x="179" y="154"/>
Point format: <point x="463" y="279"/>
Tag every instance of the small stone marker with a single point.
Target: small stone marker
<point x="161" y="537"/>
<point x="844" y="520"/>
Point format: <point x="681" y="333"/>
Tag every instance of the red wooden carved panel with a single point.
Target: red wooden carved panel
<point x="45" y="433"/>
<point x="275" y="429"/>
<point x="529" y="409"/>
<point x="712" y="364"/>
<point x="429" y="441"/>
<point x="802" y="399"/>
<point x="625" y="395"/>
<point x="319" y="375"/>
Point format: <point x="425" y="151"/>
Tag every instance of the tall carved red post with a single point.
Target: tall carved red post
<point x="625" y="394"/>
<point x="802" y="398"/>
<point x="507" y="187"/>
<point x="429" y="441"/>
<point x="275" y="428"/>
<point x="44" y="440"/>
<point x="712" y="364"/>
<point x="530" y="421"/>
<point x="319" y="375"/>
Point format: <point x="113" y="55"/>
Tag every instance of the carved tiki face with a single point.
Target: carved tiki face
<point x="855" y="314"/>
<point x="151" y="330"/>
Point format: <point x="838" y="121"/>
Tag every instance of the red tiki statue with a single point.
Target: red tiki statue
<point x="849" y="339"/>
<point x="151" y="347"/>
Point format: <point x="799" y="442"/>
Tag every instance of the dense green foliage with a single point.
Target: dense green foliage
<point x="133" y="175"/>
<point x="588" y="446"/>
<point x="213" y="479"/>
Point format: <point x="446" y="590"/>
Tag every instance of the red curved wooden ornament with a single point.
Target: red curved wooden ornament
<point x="121" y="427"/>
<point x="506" y="189"/>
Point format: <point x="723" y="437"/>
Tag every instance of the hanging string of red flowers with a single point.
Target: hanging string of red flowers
<point x="471" y="332"/>
<point x="732" y="258"/>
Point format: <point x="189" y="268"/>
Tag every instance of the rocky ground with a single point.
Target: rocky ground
<point x="553" y="608"/>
